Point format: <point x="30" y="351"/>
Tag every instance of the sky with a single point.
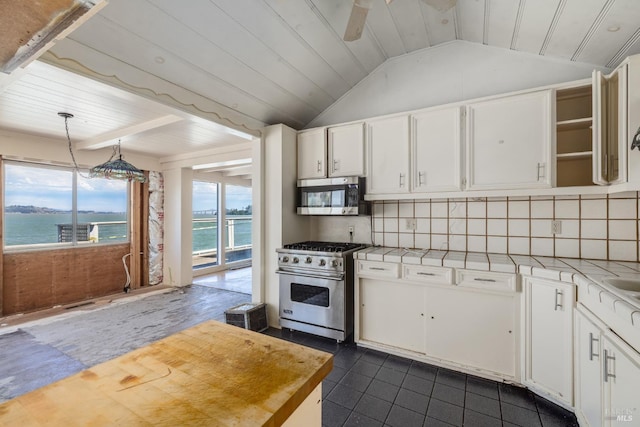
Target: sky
<point x="205" y="196"/>
<point x="51" y="188"/>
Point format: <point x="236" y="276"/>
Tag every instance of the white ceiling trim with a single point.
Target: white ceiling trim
<point x="116" y="73"/>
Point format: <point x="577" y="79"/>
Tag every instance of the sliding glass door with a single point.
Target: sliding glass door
<point x="222" y="215"/>
<point x="237" y="223"/>
<point x="205" y="224"/>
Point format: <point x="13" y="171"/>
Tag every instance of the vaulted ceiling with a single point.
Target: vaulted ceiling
<point x="285" y="61"/>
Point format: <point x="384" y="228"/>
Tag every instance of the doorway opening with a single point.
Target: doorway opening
<point x="222" y="234"/>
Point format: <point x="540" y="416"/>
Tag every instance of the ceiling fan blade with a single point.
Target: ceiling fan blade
<point x="357" y="19"/>
<point x="441" y="5"/>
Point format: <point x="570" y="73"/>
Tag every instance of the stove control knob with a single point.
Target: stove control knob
<point x="334" y="263"/>
<point x="308" y="260"/>
<point x="285" y="259"/>
<point x="322" y="263"/>
<point x="295" y="260"/>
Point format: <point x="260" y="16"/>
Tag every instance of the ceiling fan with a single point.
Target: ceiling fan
<point x="360" y="8"/>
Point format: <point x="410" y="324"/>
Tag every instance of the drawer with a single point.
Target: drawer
<point x="424" y="273"/>
<point x="487" y="280"/>
<point x="376" y="269"/>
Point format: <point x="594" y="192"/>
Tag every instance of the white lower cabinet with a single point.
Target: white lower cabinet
<point x="621" y="378"/>
<point x="607" y="375"/>
<point x="309" y="413"/>
<point x="392" y="313"/>
<point x="548" y="338"/>
<point x="422" y="314"/>
<point x="473" y="328"/>
<point x="588" y="370"/>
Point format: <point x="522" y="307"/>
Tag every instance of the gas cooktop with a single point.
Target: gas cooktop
<point x="317" y="246"/>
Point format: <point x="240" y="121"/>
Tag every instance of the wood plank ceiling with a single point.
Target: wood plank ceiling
<point x="284" y="61"/>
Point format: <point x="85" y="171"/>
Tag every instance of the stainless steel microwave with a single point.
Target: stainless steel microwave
<point x="332" y="196"/>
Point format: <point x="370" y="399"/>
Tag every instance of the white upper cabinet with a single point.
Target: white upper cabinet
<point x="509" y="142"/>
<point x="610" y="126"/>
<point x="312" y="154"/>
<point x="336" y="151"/>
<point x="388" y="146"/>
<point x="436" y="150"/>
<point x="346" y="150"/>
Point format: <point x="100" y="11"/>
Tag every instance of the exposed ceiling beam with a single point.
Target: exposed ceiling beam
<point x="107" y="139"/>
<point x="225" y="168"/>
<point x="220" y="177"/>
<point x="245" y="170"/>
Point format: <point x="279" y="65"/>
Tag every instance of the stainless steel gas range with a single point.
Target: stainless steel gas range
<point x="316" y="288"/>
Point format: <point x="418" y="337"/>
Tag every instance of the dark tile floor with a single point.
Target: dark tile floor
<point x="370" y="388"/>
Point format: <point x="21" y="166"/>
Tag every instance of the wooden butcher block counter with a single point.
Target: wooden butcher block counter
<point x="211" y="374"/>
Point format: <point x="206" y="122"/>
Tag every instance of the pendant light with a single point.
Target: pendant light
<point x="111" y="169"/>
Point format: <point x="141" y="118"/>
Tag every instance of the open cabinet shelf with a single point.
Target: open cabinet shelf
<point x="574" y="140"/>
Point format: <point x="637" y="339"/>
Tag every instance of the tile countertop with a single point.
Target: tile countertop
<point x="537" y="266"/>
<point x="585" y="274"/>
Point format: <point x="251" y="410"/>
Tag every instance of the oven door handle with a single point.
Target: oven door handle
<point x="313" y="276"/>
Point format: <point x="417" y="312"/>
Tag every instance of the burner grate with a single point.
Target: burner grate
<point x="323" y="246"/>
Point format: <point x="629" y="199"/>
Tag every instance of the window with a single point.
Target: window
<point x="50" y="205"/>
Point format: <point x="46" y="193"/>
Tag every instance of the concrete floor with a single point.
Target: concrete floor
<point x="41" y="348"/>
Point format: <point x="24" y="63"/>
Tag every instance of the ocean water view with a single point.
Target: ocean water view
<point x="33" y="228"/>
<point x="205" y="232"/>
<point x="39" y="228"/>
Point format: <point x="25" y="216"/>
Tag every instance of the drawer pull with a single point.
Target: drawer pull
<point x="479" y="279"/>
<point x="558" y="300"/>
<point x="606" y="358"/>
<point x="421" y="273"/>
<point x="377" y="268"/>
<point x="591" y="340"/>
<point x="319" y="166"/>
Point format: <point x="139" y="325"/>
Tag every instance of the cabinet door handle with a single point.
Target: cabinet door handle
<point x="479" y="279"/>
<point x="421" y="178"/>
<point x="401" y="180"/>
<point x="377" y="268"/>
<point x="336" y="164"/>
<point x="421" y="273"/>
<point x="541" y="166"/>
<point x="319" y="166"/>
<point x="558" y="300"/>
<point x="606" y="359"/>
<point x="591" y="340"/>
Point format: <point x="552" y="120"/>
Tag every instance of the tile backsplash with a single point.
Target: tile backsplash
<point x="586" y="226"/>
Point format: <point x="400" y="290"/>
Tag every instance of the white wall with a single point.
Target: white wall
<point x="281" y="223"/>
<point x="178" y="216"/>
<point x="446" y="73"/>
<point x="336" y="229"/>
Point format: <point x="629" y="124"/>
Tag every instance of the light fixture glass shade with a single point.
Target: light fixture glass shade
<point x="111" y="169"/>
<point x="117" y="169"/>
